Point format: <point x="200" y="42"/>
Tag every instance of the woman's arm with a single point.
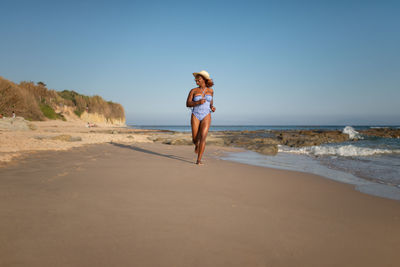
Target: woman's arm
<point x="191" y="103"/>
<point x="212" y="102"/>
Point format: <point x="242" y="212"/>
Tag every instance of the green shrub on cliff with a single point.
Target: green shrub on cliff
<point x="94" y="104"/>
<point x="68" y="95"/>
<point x="49" y="112"/>
<point x="78" y="112"/>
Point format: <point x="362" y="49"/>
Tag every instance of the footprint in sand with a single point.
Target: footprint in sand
<point x="61" y="174"/>
<point x="78" y="166"/>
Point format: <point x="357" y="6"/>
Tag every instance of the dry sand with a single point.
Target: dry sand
<point x="53" y="135"/>
<point x="149" y="205"/>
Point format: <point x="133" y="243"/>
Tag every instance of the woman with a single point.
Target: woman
<point x="200" y="99"/>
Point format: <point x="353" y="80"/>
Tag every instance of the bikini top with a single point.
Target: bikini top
<point x="208" y="97"/>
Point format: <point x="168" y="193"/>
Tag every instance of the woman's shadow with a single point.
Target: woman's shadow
<point x="139" y="149"/>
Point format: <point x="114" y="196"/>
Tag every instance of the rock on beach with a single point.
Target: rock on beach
<point x="16" y="124"/>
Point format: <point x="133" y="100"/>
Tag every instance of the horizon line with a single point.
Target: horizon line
<point x="271" y="125"/>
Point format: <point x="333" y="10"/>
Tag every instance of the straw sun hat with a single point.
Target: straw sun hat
<point x="202" y="73"/>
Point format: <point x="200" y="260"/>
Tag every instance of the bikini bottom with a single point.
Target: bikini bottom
<point x="200" y="115"/>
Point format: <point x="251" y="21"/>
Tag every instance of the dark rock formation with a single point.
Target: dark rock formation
<point x="382" y="132"/>
<point x="301" y="138"/>
<point x="263" y="141"/>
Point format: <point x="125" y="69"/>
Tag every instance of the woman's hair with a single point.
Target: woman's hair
<point x="209" y="82"/>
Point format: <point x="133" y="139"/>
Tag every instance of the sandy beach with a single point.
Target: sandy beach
<point x="292" y="109"/>
<point x="147" y="204"/>
<point x="19" y="138"/>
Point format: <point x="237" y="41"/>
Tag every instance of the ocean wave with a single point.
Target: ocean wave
<point x="343" y="150"/>
<point x="351" y="132"/>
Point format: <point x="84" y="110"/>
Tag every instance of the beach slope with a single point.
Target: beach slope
<point x="146" y="204"/>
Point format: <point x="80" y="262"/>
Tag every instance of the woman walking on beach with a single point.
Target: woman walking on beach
<point x="200" y="99"/>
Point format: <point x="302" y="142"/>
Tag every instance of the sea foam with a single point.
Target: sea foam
<point x="339" y="150"/>
<point x="351" y="132"/>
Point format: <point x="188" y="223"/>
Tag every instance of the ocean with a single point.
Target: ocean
<point x="371" y="164"/>
<point x="186" y="128"/>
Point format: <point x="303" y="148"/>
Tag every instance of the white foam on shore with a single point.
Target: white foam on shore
<point x="351" y="132"/>
<point x="339" y="150"/>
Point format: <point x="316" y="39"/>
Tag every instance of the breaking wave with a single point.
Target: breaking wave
<point x="351" y="132"/>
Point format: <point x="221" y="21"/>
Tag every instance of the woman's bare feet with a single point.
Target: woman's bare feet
<point x="199" y="162"/>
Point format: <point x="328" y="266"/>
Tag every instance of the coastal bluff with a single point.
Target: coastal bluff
<point x="35" y="102"/>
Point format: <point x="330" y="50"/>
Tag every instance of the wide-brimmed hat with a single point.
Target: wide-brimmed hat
<point x="202" y="73"/>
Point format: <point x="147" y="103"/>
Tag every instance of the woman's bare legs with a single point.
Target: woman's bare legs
<point x="202" y="135"/>
<point x="199" y="135"/>
<point x="195" y="132"/>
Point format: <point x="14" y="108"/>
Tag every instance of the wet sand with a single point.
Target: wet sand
<point x="148" y="205"/>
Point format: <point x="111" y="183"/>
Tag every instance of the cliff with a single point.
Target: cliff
<point x="19" y="100"/>
<point x="36" y="102"/>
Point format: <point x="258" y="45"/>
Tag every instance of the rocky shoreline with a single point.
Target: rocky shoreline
<point x="382" y="132"/>
<point x="267" y="141"/>
<point x="19" y="136"/>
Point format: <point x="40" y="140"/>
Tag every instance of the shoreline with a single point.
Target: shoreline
<point x="59" y="135"/>
<point x="122" y="204"/>
<point x="309" y="165"/>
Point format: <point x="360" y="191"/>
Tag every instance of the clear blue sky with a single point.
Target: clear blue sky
<point x="273" y="62"/>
